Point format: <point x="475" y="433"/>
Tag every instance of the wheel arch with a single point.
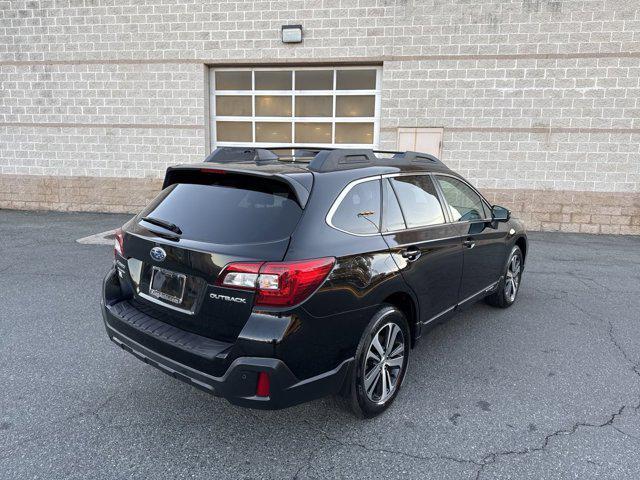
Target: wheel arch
<point x="522" y="243"/>
<point x="405" y="302"/>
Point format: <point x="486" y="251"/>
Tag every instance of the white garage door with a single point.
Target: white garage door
<point x="317" y="106"/>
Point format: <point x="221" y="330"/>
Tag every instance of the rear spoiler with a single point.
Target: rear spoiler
<point x="300" y="190"/>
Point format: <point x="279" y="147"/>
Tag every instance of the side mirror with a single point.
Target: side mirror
<point x="500" y="214"/>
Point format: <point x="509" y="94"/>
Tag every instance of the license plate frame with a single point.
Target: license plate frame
<point x="177" y="295"/>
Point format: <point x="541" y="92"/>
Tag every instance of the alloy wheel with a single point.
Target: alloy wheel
<point x="512" y="281"/>
<point x="383" y="363"/>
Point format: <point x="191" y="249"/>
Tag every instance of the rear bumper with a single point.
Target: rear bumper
<point x="194" y="359"/>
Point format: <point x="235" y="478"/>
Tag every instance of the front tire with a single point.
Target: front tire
<point x="508" y="287"/>
<point x="380" y="364"/>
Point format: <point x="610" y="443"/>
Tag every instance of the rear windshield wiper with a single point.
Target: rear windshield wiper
<point x="164" y="224"/>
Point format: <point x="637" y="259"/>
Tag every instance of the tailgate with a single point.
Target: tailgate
<point x="176" y="248"/>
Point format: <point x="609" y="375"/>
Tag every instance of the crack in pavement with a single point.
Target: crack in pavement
<point x="306" y="465"/>
<point x="487" y="460"/>
<point x="94" y="412"/>
<point x="626" y="434"/>
<point x="635" y="366"/>
<point x="493" y="457"/>
<point x="437" y="457"/>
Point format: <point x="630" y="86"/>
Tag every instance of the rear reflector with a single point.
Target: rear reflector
<point x="118" y="244"/>
<point x="263" y="387"/>
<point x="277" y="284"/>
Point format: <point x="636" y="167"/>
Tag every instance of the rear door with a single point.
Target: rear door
<point x="177" y="246"/>
<point x="483" y="245"/>
<point x="425" y="247"/>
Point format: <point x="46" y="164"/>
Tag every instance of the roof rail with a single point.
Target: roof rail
<point x="323" y="159"/>
<point x="348" y="158"/>
<point x="240" y="155"/>
<point x="416" y="157"/>
<point x="342" y="159"/>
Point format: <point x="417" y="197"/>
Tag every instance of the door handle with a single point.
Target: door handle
<point x="469" y="243"/>
<point x="411" y="253"/>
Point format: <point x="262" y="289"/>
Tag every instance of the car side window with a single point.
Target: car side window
<point x="418" y="200"/>
<point x="465" y="204"/>
<point x="392" y="218"/>
<point x="359" y="210"/>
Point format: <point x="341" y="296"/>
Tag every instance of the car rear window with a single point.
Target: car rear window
<point x="228" y="209"/>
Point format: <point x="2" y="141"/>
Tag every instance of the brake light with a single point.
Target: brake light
<point x="118" y="243"/>
<point x="277" y="284"/>
<point x="288" y="283"/>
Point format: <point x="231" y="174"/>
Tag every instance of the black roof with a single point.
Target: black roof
<point x="324" y="159"/>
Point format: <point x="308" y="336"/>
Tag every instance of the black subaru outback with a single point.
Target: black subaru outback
<point x="273" y="277"/>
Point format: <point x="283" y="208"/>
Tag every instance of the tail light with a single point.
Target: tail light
<point x="277" y="284"/>
<point x="118" y="244"/>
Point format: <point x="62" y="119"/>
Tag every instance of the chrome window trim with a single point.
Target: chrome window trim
<point x="336" y="204"/>
<point x="387" y="232"/>
<point x="446" y="211"/>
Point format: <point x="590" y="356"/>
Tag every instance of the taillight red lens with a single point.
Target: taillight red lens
<point x="295" y="281"/>
<point x="263" y="387"/>
<point x="118" y="243"/>
<point x="277" y="284"/>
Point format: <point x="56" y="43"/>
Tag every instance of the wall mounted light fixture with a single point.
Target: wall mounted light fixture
<point x="291" y="33"/>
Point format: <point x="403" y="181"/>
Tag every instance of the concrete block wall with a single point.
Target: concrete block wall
<point x="110" y="120"/>
<point x="534" y="95"/>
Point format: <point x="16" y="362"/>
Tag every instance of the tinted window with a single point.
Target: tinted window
<point x="359" y="211"/>
<point x="231" y="210"/>
<point x="418" y="200"/>
<point x="464" y="202"/>
<point x="391" y="214"/>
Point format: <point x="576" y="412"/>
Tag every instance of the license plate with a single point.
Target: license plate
<point x="167" y="285"/>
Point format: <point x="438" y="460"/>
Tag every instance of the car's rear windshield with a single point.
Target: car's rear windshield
<point x="228" y="209"/>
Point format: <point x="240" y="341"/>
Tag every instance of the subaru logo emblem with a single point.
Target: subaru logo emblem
<point x="158" y="254"/>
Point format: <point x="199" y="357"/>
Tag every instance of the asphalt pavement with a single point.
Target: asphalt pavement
<point x="549" y="388"/>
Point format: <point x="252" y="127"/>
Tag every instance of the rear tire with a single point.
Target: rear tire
<point x="380" y="364"/>
<point x="509" y="285"/>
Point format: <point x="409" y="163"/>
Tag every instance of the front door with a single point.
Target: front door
<point x="483" y="245"/>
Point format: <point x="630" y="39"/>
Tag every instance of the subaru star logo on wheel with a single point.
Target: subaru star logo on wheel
<point x="158" y="254"/>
